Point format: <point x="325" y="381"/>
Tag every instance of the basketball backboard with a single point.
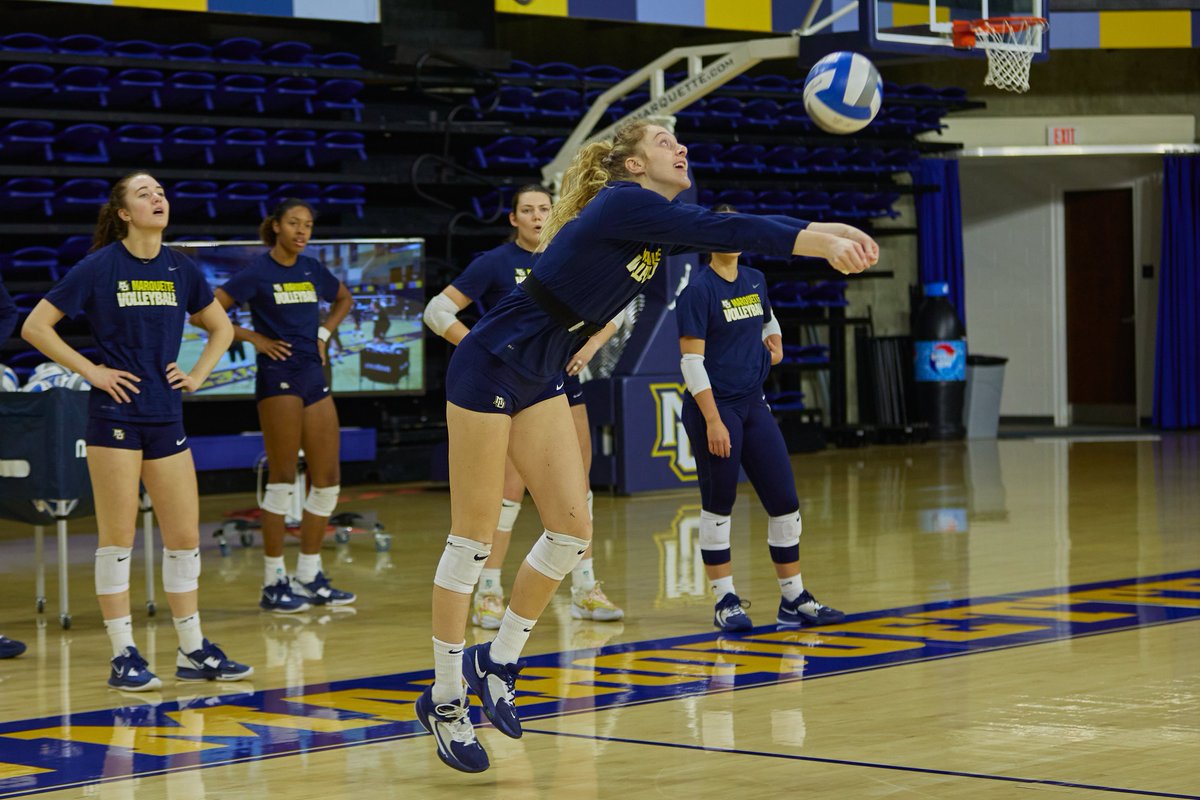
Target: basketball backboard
<point x="916" y="27"/>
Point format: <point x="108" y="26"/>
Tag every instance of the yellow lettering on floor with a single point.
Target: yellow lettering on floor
<point x="389" y="704"/>
<point x="148" y="741"/>
<point x="1054" y="607"/>
<point x="19" y="771"/>
<point x="1148" y="594"/>
<point x="562" y="683"/>
<point x="231" y="721"/>
<point x="823" y="646"/>
<point x="933" y="630"/>
<point x="702" y="664"/>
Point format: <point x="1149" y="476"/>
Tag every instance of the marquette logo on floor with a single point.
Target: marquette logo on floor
<point x="98" y="746"/>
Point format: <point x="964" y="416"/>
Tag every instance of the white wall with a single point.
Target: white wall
<point x="1014" y="267"/>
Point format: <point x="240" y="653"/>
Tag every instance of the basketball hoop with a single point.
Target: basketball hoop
<point x="1010" y="44"/>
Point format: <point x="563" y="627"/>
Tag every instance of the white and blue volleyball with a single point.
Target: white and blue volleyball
<point x="843" y="92"/>
<point x="9" y="382"/>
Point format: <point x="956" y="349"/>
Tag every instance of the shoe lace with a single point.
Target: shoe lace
<point x="454" y="717"/>
<point x="214" y="651"/>
<point x="135" y="660"/>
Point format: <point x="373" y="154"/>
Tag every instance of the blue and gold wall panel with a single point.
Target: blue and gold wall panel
<point x="342" y="10"/>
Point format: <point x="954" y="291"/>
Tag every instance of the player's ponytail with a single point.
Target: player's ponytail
<point x="593" y="166"/>
<point x="109" y="225"/>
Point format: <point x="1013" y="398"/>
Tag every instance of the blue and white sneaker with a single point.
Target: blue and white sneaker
<point x="320" y="593"/>
<point x="450" y="724"/>
<point x="730" y="614"/>
<point x="209" y="663"/>
<point x="10" y="648"/>
<point x="131" y="673"/>
<point x="280" y="598"/>
<point x="496" y="687"/>
<point x="805" y="610"/>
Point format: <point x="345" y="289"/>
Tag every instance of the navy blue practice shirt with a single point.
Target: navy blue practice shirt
<point x="285" y="302"/>
<point x="603" y="258"/>
<point x="136" y="311"/>
<point x="492" y="275"/>
<point x="729" y="317"/>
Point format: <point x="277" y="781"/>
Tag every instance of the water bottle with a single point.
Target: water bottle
<point x="940" y="344"/>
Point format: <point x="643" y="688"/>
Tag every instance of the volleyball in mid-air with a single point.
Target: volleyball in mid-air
<point x="843" y="92"/>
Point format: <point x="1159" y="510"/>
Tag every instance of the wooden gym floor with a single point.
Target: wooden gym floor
<point x="1024" y="618"/>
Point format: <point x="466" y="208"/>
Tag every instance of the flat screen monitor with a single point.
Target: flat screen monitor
<point x="378" y="348"/>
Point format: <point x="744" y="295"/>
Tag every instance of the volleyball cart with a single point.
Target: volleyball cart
<point x="44" y="479"/>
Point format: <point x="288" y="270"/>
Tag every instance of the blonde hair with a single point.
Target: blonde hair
<point x="109" y="225"/>
<point x="593" y="166"/>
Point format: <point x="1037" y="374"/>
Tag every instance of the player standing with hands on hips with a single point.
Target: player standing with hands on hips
<point x="730" y="340"/>
<point x="284" y="288"/>
<point x="136" y="295"/>
<point x="604" y="240"/>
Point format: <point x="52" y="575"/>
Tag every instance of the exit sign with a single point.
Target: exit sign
<point x="1056" y="135"/>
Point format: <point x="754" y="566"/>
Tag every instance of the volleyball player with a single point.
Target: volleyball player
<point x="730" y="340"/>
<point x="604" y="240"/>
<point x="487" y="280"/>
<point x="136" y="295"/>
<point x="283" y="288"/>
<point x="9" y="648"/>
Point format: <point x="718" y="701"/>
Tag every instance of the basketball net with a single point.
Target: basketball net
<point x="1010" y="44"/>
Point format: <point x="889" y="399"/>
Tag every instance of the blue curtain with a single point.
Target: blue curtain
<point x="1177" y="350"/>
<point x="939" y="225"/>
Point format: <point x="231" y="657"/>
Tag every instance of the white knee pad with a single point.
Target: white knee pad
<point x="112" y="569"/>
<point x="556" y="554"/>
<point x="714" y="531"/>
<point x="783" y="537"/>
<point x="460" y="565"/>
<point x="509" y="509"/>
<point x="322" y="500"/>
<point x="181" y="570"/>
<point x="277" y="498"/>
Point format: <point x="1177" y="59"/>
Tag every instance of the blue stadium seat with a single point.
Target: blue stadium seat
<point x="291" y="146"/>
<point x="866" y="161"/>
<point x="517" y="69"/>
<point x="290" y="95"/>
<point x="340" y="94"/>
<point x="136" y="143"/>
<point x="557" y="71"/>
<point x="136" y="48"/>
<point x="760" y="114"/>
<point x="81" y="44"/>
<point x="32" y="264"/>
<point x="493" y="204"/>
<point x="812" y="205"/>
<point x="188" y="51"/>
<point x="788" y="294"/>
<point x="336" y="146"/>
<point x="705" y="156"/>
<point x="240" y="146"/>
<point x="774" y="83"/>
<point x="611" y="114"/>
<point x="27" y="140"/>
<point x="339" y="196"/>
<point x="85" y="143"/>
<point x="604" y="73"/>
<point x="785" y="159"/>
<point x="793" y="117"/>
<point x="826" y="160"/>
<point x="240" y="92"/>
<point x="238" y="50"/>
<point x="879" y="204"/>
<point x="288" y="54"/>
<point x="72" y="250"/>
<point x="507" y="152"/>
<point x="545" y="152"/>
<point x="558" y="104"/>
<point x="244" y="198"/>
<point x="189" y="90"/>
<point x="189" y="144"/>
<point x="339" y="60"/>
<point x="81" y="197"/>
<point x="134" y="88"/>
<point x="723" y="112"/>
<point x="692" y="117"/>
<point x="82" y="87"/>
<point x="26" y="84"/>
<point x="776" y="201"/>
<point x="744" y="158"/>
<point x="902" y="159"/>
<point x="741" y="199"/>
<point x="847" y="205"/>
<point x="27" y="195"/>
<point x="27" y="42"/>
<point x="189" y="198"/>
<point x="509" y="102"/>
<point x="308" y="192"/>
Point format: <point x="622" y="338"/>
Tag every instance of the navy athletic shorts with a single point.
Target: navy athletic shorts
<point x="574" y="390"/>
<point x="306" y="382"/>
<point x="154" y="439"/>
<point x="477" y="380"/>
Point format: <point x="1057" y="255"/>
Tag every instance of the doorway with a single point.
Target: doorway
<point x="1101" y="352"/>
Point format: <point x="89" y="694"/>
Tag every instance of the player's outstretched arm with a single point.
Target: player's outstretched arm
<point x="845" y="247"/>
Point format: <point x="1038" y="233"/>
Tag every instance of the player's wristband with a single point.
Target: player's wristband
<point x="323" y="333"/>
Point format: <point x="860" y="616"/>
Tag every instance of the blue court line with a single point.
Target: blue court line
<point x="56" y="752"/>
<point x="870" y="765"/>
